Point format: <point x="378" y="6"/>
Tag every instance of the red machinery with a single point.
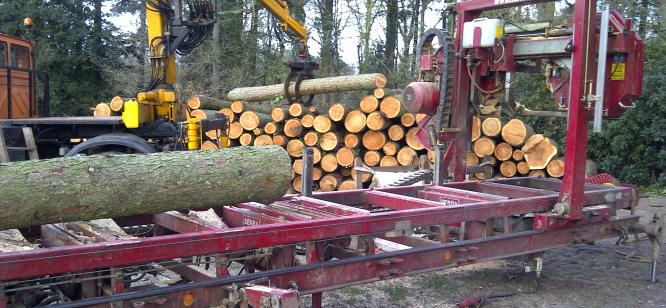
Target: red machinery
<point x="268" y="255"/>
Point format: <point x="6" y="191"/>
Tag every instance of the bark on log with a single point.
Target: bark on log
<point x="310" y="87"/>
<point x="330" y="182"/>
<point x="388" y="161"/>
<point x="555" y="168"/>
<point x="279" y="114"/>
<point x="93" y="187"/>
<point x="351" y="140"/>
<point x="322" y="124"/>
<point x="329" y="141"/>
<point x="295" y="148"/>
<point x="408" y="120"/>
<point x="476" y="128"/>
<point x="483" y="146"/>
<point x="237" y="107"/>
<point x="308" y="120"/>
<point x="491" y="127"/>
<point x="329" y="163"/>
<point x="412" y="139"/>
<point x="311" y="139"/>
<point x="116" y="104"/>
<point x="396" y="132"/>
<point x="337" y="112"/>
<point x="372" y="158"/>
<point x="251" y="120"/>
<point x="391" y="107"/>
<point x="369" y="104"/>
<point x="376" y="121"/>
<point x="503" y="151"/>
<point x="345" y="156"/>
<point x="374" y="140"/>
<point x="516" y="132"/>
<point x="355" y="122"/>
<point x="508" y="169"/>
<point x="293" y="128"/>
<point x="406" y="156"/>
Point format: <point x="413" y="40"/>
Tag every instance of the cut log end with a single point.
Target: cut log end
<point x="412" y="140"/>
<point x="555" y="168"/>
<point x="279" y="114"/>
<point x="378" y="93"/>
<point x="538" y="152"/>
<point x="369" y="104"/>
<point x="483" y="146"/>
<point x="237" y="107"/>
<point x="391" y="107"/>
<point x="296" y="110"/>
<point x="295" y="148"/>
<point x="503" y="151"/>
<point x="116" y="104"/>
<point x="355" y="122"/>
<point x="388" y="161"/>
<point x="374" y="140"/>
<point x="337" y="112"/>
<point x="351" y="140"/>
<point x="407" y="156"/>
<point x="372" y="158"/>
<point x="330" y="182"/>
<point x="322" y="124"/>
<point x="263" y="140"/>
<point x="396" y="132"/>
<point x="408" y="120"/>
<point x="476" y="128"/>
<point x="523" y="168"/>
<point x="329" y="163"/>
<point x="376" y="121"/>
<point x="246" y="139"/>
<point x="391" y="148"/>
<point x="345" y="157"/>
<point x="508" y="169"/>
<point x="515" y="132"/>
<point x="329" y="141"/>
<point x="235" y="130"/>
<point x="308" y="120"/>
<point x="311" y="139"/>
<point x="491" y="127"/>
<point x="293" y="128"/>
<point x="348" y="184"/>
<point x="102" y="110"/>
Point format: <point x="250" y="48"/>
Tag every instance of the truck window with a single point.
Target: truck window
<point x="3" y="53"/>
<point x="20" y="56"/>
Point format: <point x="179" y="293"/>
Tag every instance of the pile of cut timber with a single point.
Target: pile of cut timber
<point x="513" y="149"/>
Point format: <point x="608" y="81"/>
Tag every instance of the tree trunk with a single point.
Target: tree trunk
<point x="355" y="122"/>
<point x="503" y="151"/>
<point x="251" y="120"/>
<point x="337" y="112"/>
<point x="93" y="187"/>
<point x="508" y="169"/>
<point x="369" y="104"/>
<point x="322" y="124"/>
<point x="491" y="127"/>
<point x="293" y="128"/>
<point x="396" y="132"/>
<point x="391" y="107"/>
<point x="329" y="141"/>
<point x="412" y="139"/>
<point x="516" y="132"/>
<point x="372" y="158"/>
<point x="345" y="156"/>
<point x="538" y="151"/>
<point x="311" y="87"/>
<point x="483" y="146"/>
<point x="374" y="140"/>
<point x="555" y="168"/>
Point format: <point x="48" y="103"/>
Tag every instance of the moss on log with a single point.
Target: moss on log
<point x="92" y="187"/>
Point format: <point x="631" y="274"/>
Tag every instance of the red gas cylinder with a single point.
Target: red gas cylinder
<point x="421" y="97"/>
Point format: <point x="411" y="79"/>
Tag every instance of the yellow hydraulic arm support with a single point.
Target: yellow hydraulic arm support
<point x="295" y="29"/>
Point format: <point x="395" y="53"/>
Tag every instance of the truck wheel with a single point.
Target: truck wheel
<point x="111" y="143"/>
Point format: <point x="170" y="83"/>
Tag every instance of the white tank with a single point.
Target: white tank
<point x="482" y="32"/>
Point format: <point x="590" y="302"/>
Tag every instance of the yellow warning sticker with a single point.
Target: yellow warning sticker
<point x="617" y="71"/>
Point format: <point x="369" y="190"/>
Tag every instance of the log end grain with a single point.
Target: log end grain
<point x="355" y="122"/>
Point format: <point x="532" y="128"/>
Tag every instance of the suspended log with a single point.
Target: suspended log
<point x="369" y="104"/>
<point x="406" y="156"/>
<point x="330" y="182"/>
<point x="348" y="184"/>
<point x="483" y="146"/>
<point x="355" y="122"/>
<point x="555" y="168"/>
<point x="516" y="132"/>
<point x="235" y="130"/>
<point x="476" y="128"/>
<point x="329" y="141"/>
<point x="296" y="110"/>
<point x="391" y="148"/>
<point x="237" y="107"/>
<point x="272" y="128"/>
<point x="322" y="124"/>
<point x="263" y="140"/>
<point x="93" y="187"/>
<point x="372" y="158"/>
<point x="295" y="148"/>
<point x="311" y="139"/>
<point x="280" y="140"/>
<point x="396" y="132"/>
<point x="346" y="156"/>
<point x="329" y="163"/>
<point x="517" y="155"/>
<point x="537" y="173"/>
<point x="116" y="104"/>
<point x="102" y="110"/>
<point x="337" y="112"/>
<point x="311" y="87"/>
<point x="491" y="127"/>
<point x="391" y="107"/>
<point x="412" y="139"/>
<point x="351" y="140"/>
<point x="522" y="167"/>
<point x="408" y="120"/>
<point x="205" y="102"/>
<point x="376" y="121"/>
<point x="251" y="120"/>
<point x="538" y="151"/>
<point x="508" y="169"/>
<point x="379" y="93"/>
<point x="388" y="161"/>
<point x="503" y="151"/>
<point x="308" y="120"/>
<point x="293" y="128"/>
<point x="374" y="140"/>
<point x="279" y="114"/>
<point x="246" y="139"/>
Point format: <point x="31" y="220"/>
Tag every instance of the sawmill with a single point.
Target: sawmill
<point x="246" y="205"/>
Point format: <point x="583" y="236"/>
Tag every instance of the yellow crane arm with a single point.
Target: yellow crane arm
<point x="295" y="29"/>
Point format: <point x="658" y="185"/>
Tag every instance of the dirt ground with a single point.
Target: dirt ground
<point x="575" y="276"/>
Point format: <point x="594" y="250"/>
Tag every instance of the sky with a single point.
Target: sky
<point x="349" y="38"/>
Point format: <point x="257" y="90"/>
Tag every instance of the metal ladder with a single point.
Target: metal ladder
<point x="30" y="145"/>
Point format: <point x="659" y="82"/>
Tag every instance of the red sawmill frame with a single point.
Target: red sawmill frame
<point x="328" y="217"/>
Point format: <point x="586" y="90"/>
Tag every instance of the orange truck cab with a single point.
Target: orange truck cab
<point x="17" y="79"/>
